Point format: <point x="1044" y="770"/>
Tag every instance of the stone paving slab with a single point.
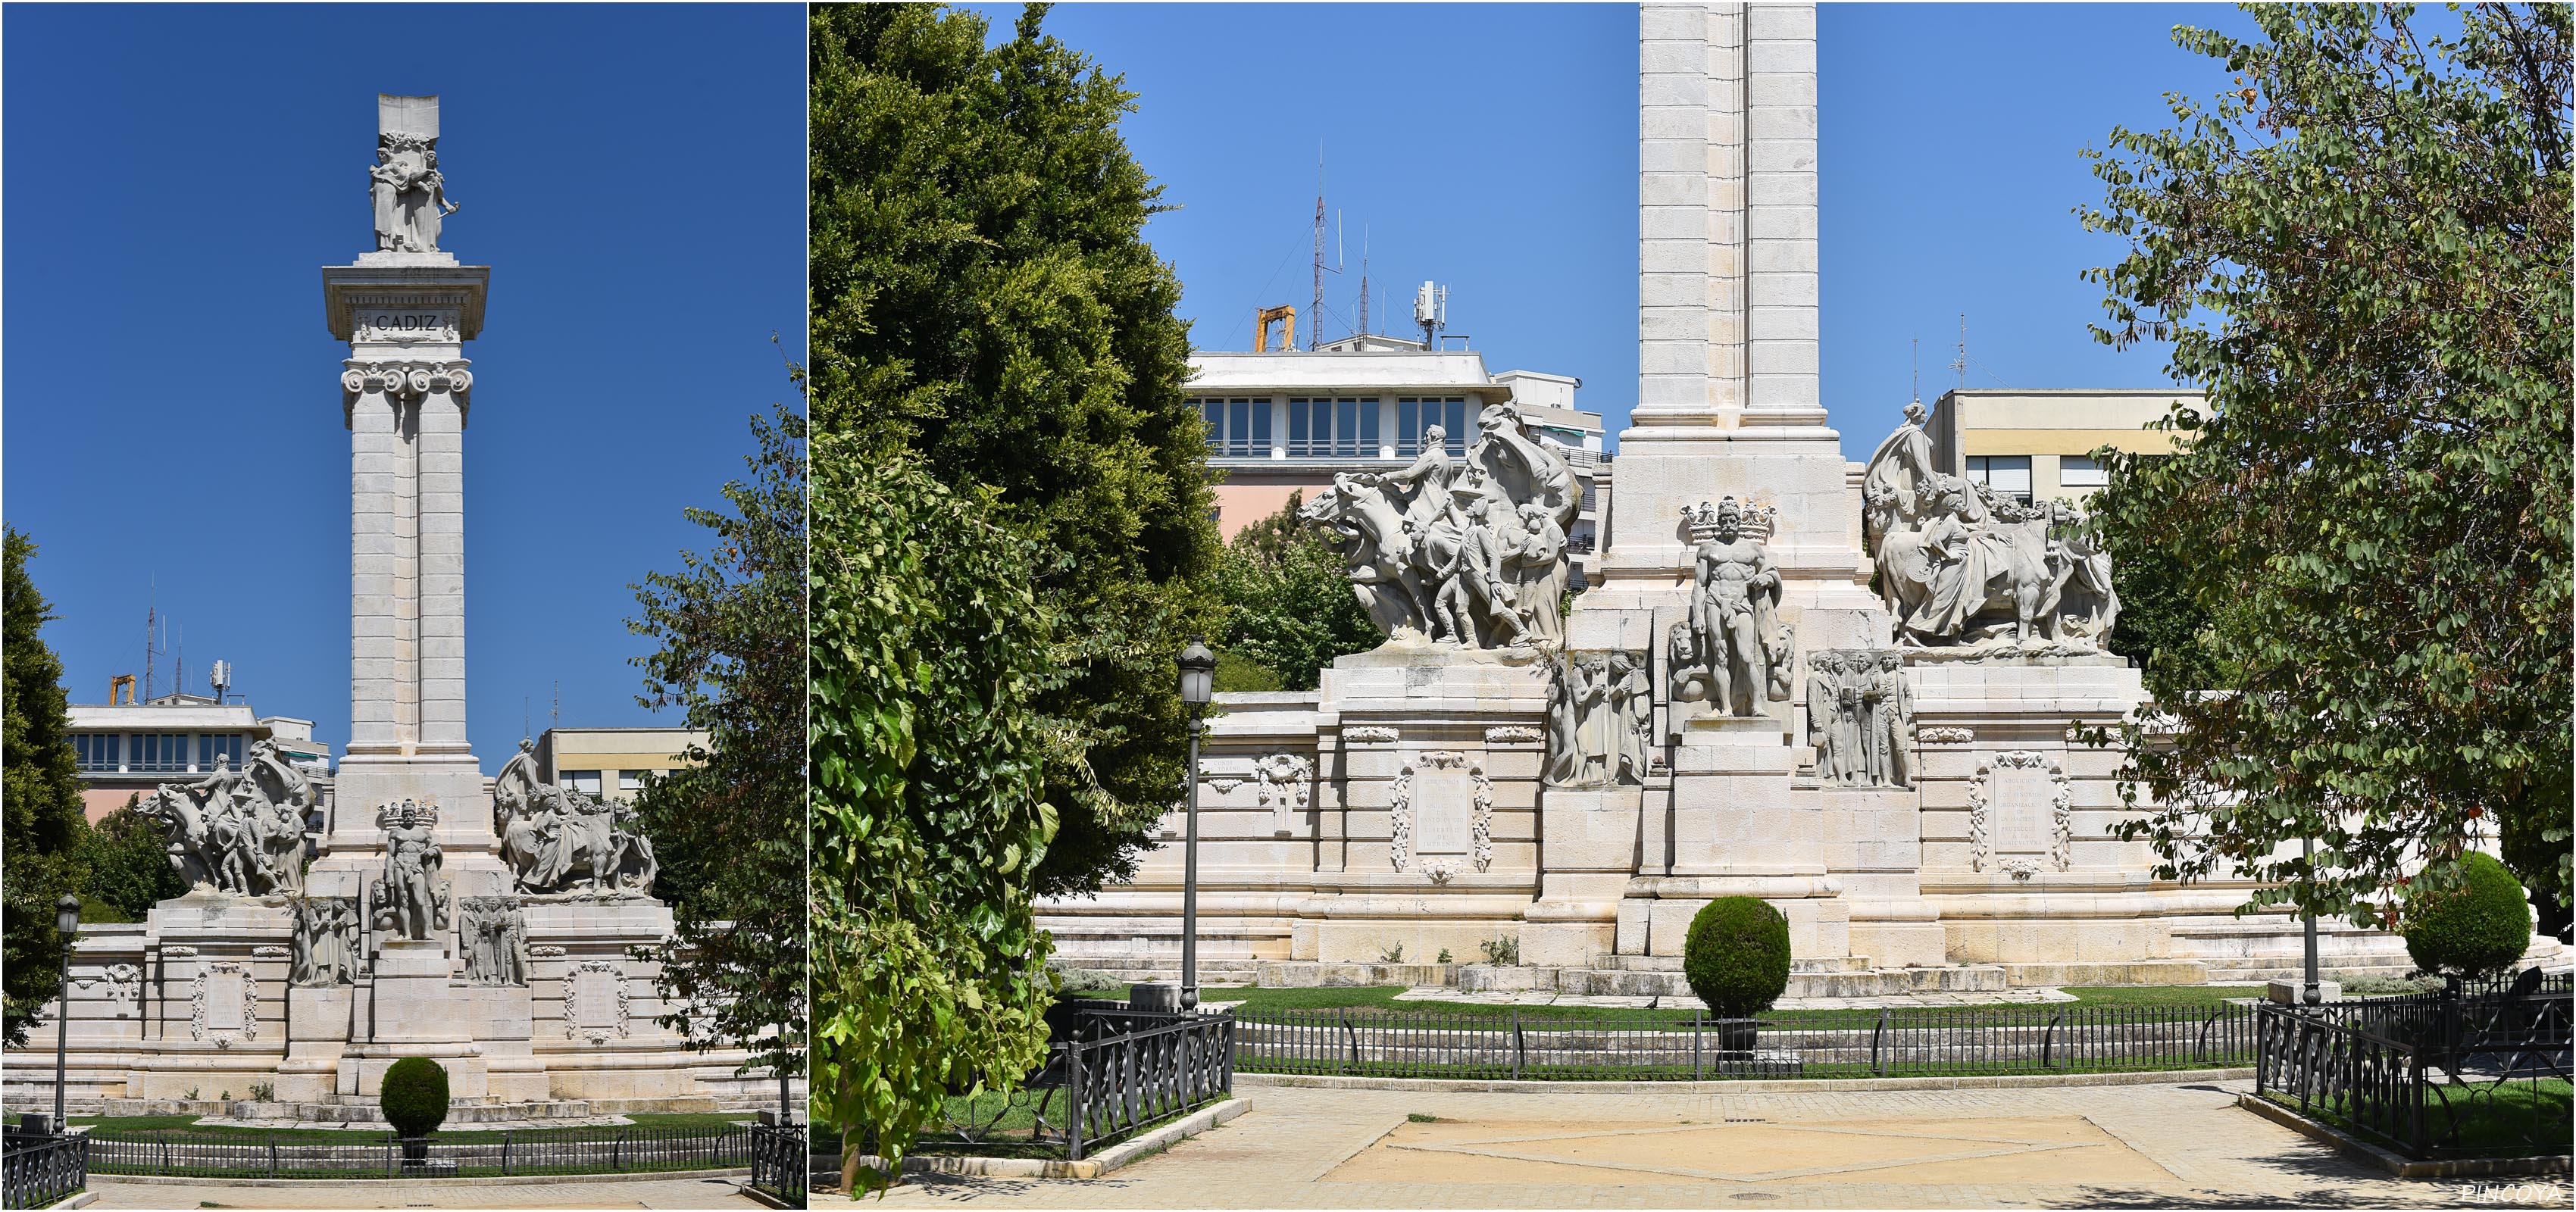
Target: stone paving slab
<point x="2150" y="1145"/>
<point x="534" y="1193"/>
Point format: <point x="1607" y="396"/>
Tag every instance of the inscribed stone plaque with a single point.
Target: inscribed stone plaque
<point x="224" y="1000"/>
<point x="1444" y="809"/>
<point x="2024" y="819"/>
<point x="594" y="996"/>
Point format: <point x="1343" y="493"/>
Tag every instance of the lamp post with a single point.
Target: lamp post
<point x="67" y="922"/>
<point x="1198" y="682"/>
<point x="2314" y="992"/>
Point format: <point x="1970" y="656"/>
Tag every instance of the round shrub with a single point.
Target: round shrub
<point x="1736" y="956"/>
<point x="415" y="1096"/>
<point x="2480" y="927"/>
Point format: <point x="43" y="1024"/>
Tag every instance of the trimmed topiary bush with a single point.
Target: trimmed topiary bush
<point x="414" y="1098"/>
<point x="2481" y="927"/>
<point x="1736" y="956"/>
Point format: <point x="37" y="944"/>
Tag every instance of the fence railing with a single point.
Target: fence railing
<point x="1160" y="1065"/>
<point x="2436" y="1075"/>
<point x="1696" y="1045"/>
<point x="780" y="1161"/>
<point x="42" y="1170"/>
<point x="505" y="1153"/>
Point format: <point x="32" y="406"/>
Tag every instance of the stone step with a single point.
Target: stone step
<point x="1673" y="963"/>
<point x="1627" y="982"/>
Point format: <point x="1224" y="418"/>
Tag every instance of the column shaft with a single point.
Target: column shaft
<point x="442" y="573"/>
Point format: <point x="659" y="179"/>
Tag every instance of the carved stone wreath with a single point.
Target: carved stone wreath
<point x="124" y="984"/>
<point x="1511" y="734"/>
<point x="1286" y="785"/>
<point x="179" y="952"/>
<point x="268" y="953"/>
<point x="2061" y="805"/>
<point x="1224" y="783"/>
<point x="1946" y="736"/>
<point x="597" y="1034"/>
<point x="545" y="951"/>
<point x="224" y="1037"/>
<point x="1369" y="734"/>
<point x="1480" y="825"/>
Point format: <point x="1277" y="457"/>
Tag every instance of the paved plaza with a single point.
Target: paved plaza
<point x="2160" y="1145"/>
<point x="669" y="1192"/>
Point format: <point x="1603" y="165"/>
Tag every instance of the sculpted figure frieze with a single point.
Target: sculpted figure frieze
<point x="557" y="840"/>
<point x="238" y="831"/>
<point x="1598" y="711"/>
<point x="1860" y="717"/>
<point x="1960" y="566"/>
<point x="493" y="935"/>
<point x="1739" y="649"/>
<point x="1468" y="552"/>
<point x="324" y="951"/>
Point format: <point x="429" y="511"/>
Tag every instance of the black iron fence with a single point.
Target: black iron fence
<point x="780" y="1161"/>
<point x="2435" y="1075"/>
<point x="1110" y="1072"/>
<point x="42" y="1169"/>
<point x="504" y="1153"/>
<point x="1696" y="1045"/>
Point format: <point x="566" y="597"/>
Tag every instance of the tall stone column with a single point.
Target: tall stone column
<point x="406" y="310"/>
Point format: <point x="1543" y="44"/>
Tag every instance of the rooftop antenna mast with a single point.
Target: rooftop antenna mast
<point x="1315" y="321"/>
<point x="1961" y="366"/>
<point x="1918" y="370"/>
<point x="1364" y="279"/>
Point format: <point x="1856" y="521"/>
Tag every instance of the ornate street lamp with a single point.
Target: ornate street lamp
<point x="1198" y="683"/>
<point x="67" y="922"/>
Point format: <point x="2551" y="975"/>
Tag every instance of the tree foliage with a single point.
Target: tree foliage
<point x="128" y="857"/>
<point x="1288" y="602"/>
<point x="932" y="656"/>
<point x="984" y="301"/>
<point x="39" y="796"/>
<point x="2361" y="252"/>
<point x="729" y="828"/>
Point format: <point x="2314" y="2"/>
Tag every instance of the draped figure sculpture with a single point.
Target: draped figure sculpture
<point x="1470" y="551"/>
<point x="556" y="839"/>
<point x="409" y="193"/>
<point x="1960" y="565"/>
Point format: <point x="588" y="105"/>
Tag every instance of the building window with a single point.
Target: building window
<point x="212" y="746"/>
<point x="583" y="781"/>
<point x="1320" y="428"/>
<point x="632" y="780"/>
<point x="158" y="751"/>
<point x="96" y="750"/>
<point x="2079" y="471"/>
<point x="1414" y="414"/>
<point x="2007" y="475"/>
<point x="1237" y="427"/>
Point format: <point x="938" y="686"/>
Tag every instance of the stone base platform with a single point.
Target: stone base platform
<point x="1661" y="976"/>
<point x="1313" y="974"/>
<point x="554" y="1112"/>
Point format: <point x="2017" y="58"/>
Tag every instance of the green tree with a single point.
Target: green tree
<point x="729" y="827"/>
<point x="39" y="796"/>
<point x="128" y="858"/>
<point x="1289" y="608"/>
<point x="985" y="302"/>
<point x="2361" y="252"/>
<point x="932" y="656"/>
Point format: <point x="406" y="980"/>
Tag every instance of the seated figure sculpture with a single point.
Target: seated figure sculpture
<point x="556" y="839"/>
<point x="238" y="831"/>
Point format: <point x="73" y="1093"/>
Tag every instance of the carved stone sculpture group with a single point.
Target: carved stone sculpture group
<point x="1469" y="553"/>
<point x="1598" y="716"/>
<point x="556" y="839"/>
<point x="1739" y="651"/>
<point x="493" y="934"/>
<point x="411" y="899"/>
<point x="325" y="948"/>
<point x="238" y="831"/>
<point x="410" y="195"/>
<point x="1960" y="566"/>
<point x="1860" y="717"/>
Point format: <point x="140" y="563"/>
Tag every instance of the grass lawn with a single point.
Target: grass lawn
<point x="187" y="1125"/>
<point x="2517" y="1119"/>
<point x="1382" y="999"/>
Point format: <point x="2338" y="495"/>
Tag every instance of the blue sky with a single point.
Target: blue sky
<point x="635" y="178"/>
<point x="1493" y="148"/>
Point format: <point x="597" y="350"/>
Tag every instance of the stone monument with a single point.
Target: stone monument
<point x="493" y="932"/>
<point x="1845" y="688"/>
